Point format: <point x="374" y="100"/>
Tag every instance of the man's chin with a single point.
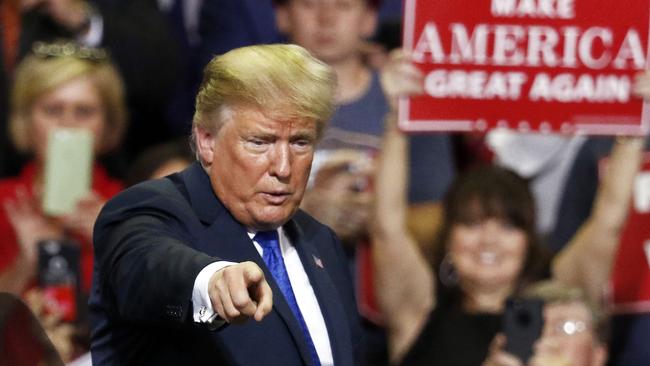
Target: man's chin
<point x="271" y="222"/>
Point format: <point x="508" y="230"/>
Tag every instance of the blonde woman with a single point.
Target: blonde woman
<point x="59" y="85"/>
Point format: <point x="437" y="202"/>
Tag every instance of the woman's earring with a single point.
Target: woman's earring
<point x="447" y="272"/>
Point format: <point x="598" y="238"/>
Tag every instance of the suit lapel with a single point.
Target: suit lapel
<point x="234" y="245"/>
<point x="228" y="240"/>
<point x="333" y="312"/>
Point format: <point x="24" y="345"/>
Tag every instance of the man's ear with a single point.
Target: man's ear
<point x="204" y="145"/>
<point x="282" y="19"/>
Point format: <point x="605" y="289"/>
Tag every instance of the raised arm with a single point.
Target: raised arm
<point x="403" y="278"/>
<point x="587" y="259"/>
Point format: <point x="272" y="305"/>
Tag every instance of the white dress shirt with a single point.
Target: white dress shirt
<point x="302" y="289"/>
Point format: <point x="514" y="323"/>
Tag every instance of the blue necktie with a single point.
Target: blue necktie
<point x="272" y="255"/>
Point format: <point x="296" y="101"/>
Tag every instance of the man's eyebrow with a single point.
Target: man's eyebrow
<point x="304" y="136"/>
<point x="263" y="134"/>
<point x="252" y="132"/>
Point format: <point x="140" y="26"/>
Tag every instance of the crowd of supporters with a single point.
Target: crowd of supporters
<point x="441" y="230"/>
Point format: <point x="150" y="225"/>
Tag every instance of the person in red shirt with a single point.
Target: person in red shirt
<point x="58" y="86"/>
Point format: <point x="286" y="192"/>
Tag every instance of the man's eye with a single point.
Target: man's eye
<point x="256" y="143"/>
<point x="302" y="144"/>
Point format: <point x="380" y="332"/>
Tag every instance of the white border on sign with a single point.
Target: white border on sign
<point x="409" y="24"/>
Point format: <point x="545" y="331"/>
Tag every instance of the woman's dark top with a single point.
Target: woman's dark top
<point x="452" y="337"/>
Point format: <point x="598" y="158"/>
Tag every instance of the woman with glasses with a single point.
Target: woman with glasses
<point x="487" y="249"/>
<point x="574" y="332"/>
<point x="57" y="87"/>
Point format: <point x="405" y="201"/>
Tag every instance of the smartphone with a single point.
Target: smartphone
<point x="68" y="164"/>
<point x="523" y="322"/>
<point x="58" y="277"/>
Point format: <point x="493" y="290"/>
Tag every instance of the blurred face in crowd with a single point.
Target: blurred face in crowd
<point x="487" y="251"/>
<point x="568" y="338"/>
<point x="332" y="30"/>
<point x="258" y="166"/>
<point x="74" y="104"/>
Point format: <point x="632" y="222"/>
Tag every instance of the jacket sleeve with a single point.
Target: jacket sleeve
<point x="145" y="263"/>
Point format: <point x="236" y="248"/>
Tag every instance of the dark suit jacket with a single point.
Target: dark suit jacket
<point x="152" y="240"/>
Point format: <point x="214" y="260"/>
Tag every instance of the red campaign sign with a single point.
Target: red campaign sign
<point x="630" y="282"/>
<point x="563" y="66"/>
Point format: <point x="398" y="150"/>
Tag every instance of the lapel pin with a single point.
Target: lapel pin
<point x="318" y="261"/>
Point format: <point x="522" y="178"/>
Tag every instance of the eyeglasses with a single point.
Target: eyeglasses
<point x="569" y="327"/>
<point x="69" y="49"/>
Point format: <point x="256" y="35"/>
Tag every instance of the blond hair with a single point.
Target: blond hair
<point x="282" y="81"/>
<point x="555" y="292"/>
<point x="38" y="75"/>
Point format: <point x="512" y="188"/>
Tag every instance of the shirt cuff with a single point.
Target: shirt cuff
<point x="202" y="309"/>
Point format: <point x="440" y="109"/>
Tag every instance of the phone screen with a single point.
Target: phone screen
<point x="58" y="276"/>
<point x="68" y="164"/>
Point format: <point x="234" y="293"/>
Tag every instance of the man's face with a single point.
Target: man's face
<point x="332" y="30"/>
<point x="568" y="338"/>
<point x="259" y="166"/>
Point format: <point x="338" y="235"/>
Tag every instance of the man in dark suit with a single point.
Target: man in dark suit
<point x="224" y="240"/>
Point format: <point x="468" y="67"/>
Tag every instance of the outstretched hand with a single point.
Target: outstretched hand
<point x="239" y="292"/>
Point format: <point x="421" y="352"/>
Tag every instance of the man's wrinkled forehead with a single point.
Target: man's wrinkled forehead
<point x="265" y="119"/>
